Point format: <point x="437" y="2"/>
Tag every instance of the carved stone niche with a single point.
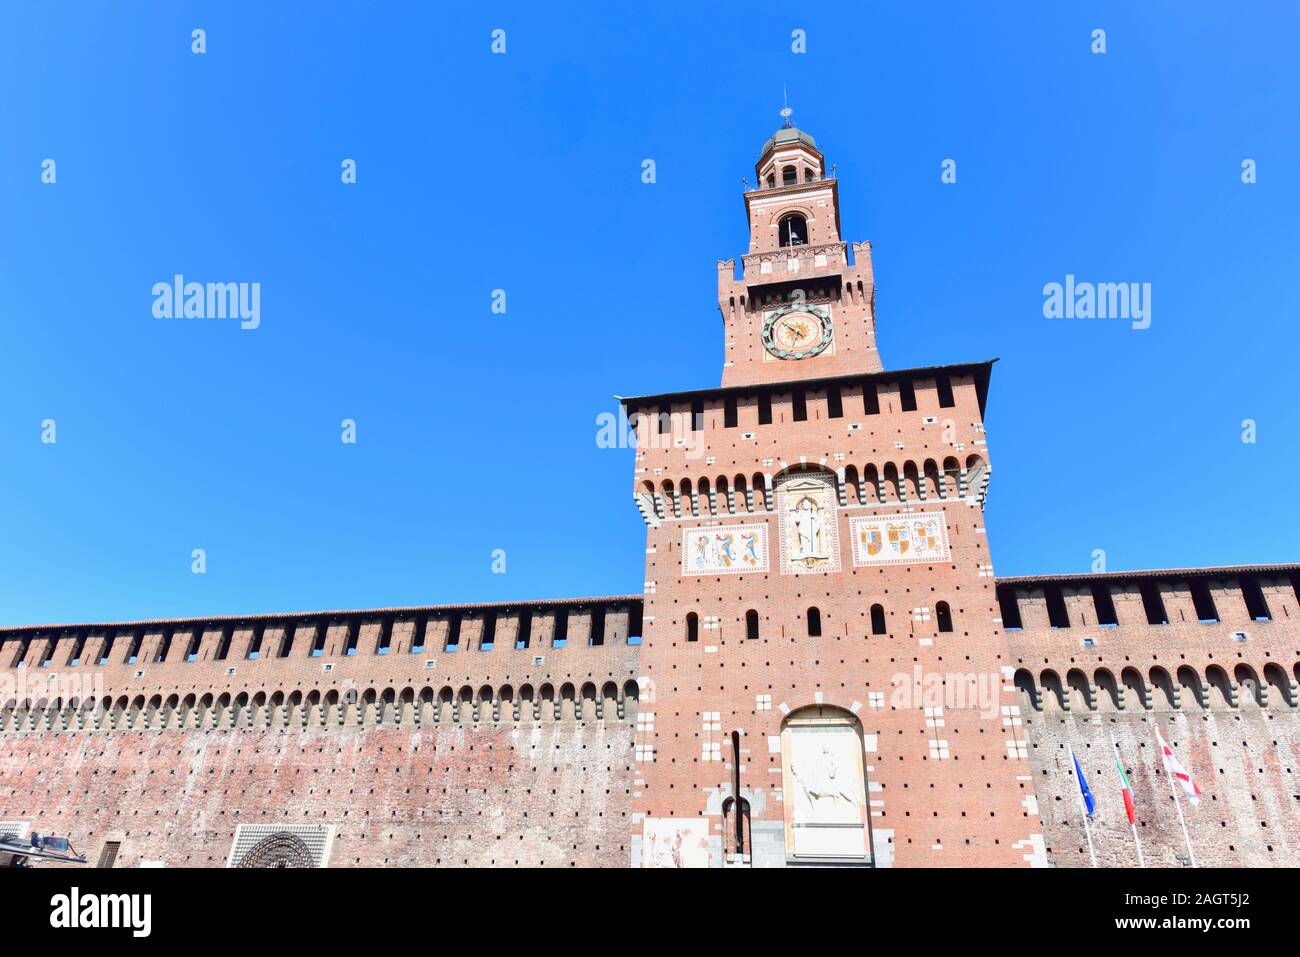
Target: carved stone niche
<point x="824" y="786"/>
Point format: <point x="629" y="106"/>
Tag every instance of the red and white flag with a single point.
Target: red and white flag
<point x="1173" y="767"/>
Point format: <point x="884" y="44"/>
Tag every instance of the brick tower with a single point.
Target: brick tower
<point x="821" y="626"/>
<point x="798" y="288"/>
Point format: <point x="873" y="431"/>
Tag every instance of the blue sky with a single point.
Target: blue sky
<point x="476" y="431"/>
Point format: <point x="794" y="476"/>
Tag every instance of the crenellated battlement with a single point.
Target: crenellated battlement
<point x="554" y="660"/>
<point x="1164" y="599"/>
<point x="1175" y="639"/>
<point x="904" y="437"/>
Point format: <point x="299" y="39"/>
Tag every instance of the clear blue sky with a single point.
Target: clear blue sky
<point x="477" y="431"/>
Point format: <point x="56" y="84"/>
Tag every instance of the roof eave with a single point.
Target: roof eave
<point x="983" y="372"/>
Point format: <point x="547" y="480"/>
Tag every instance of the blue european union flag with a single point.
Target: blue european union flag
<point x="1088" y="800"/>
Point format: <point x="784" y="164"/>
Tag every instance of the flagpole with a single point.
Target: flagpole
<point x="1173" y="788"/>
<point x="1078" y="793"/>
<point x="1132" y="824"/>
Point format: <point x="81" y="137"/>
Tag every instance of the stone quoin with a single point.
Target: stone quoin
<point x="822" y="669"/>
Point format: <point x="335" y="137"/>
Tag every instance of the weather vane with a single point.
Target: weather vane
<point x="785" y="108"/>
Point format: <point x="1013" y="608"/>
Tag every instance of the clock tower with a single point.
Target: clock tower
<point x="823" y="678"/>
<point x="804" y="296"/>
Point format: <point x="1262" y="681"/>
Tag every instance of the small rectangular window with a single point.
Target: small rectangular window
<point x="665" y="419"/>
<point x="944" y="386"/>
<point x="1203" y="602"/>
<point x="834" y="407"/>
<point x="1057" y="614"/>
<point x="1010" y="608"/>
<point x="453" y="635"/>
<point x="1256" y="603"/>
<point x="597" y="627"/>
<point x="1104" y="605"/>
<point x="697" y="415"/>
<point x="729" y="418"/>
<point x="255" y="646"/>
<point x="385" y="637"/>
<point x="870" y="399"/>
<point x="525" y="635"/>
<point x="764" y="409"/>
<point x="799" y="403"/>
<point x="1153" y="604"/>
<point x="418" y="635"/>
<point x="907" y="395"/>
<point x="634" y="624"/>
<point x="561" y="636"/>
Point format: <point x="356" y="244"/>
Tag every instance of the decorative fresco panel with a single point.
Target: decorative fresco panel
<point x="724" y="549"/>
<point x="675" y="842"/>
<point x="810" y="536"/>
<point x="899" y="539"/>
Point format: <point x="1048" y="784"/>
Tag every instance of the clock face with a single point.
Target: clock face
<point x="797" y="332"/>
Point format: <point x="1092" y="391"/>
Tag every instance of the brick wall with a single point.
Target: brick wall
<point x="949" y="783"/>
<point x="415" y="756"/>
<point x="1226" y="705"/>
<point x="526" y="794"/>
<point x="1245" y="762"/>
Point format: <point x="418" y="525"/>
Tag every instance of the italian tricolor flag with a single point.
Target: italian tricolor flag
<point x="1129" y="809"/>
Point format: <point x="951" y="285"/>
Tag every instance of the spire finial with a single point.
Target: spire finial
<point x="785" y="109"/>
